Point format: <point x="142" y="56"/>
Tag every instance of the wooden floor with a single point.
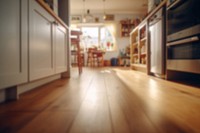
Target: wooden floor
<point x="105" y="100"/>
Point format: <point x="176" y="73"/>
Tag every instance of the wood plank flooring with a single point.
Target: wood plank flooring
<point x="105" y="100"/>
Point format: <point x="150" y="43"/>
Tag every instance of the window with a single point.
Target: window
<point x="90" y="37"/>
<point x="98" y="36"/>
<point x="106" y="39"/>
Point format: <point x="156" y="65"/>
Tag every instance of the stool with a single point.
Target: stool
<point x="98" y="58"/>
<point x="90" y="56"/>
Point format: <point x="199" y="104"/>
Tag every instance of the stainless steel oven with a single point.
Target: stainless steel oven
<point x="183" y="19"/>
<point x="183" y="36"/>
<point x="184" y="55"/>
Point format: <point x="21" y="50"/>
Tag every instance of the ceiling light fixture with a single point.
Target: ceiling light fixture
<point x="87" y="17"/>
<point x="104" y="12"/>
<point x="84" y="18"/>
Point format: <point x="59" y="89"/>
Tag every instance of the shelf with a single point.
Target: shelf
<point x="135" y="44"/>
<point x="135" y="55"/>
<point x="139" y="65"/>
<point x="143" y="39"/>
<point x="143" y="54"/>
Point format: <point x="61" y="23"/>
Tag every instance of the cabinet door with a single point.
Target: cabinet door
<point x="13" y="44"/>
<point x="40" y="42"/>
<point x="61" y="49"/>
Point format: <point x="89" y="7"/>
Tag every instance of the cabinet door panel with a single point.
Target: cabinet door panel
<point x="40" y="43"/>
<point x="61" y="48"/>
<point x="13" y="47"/>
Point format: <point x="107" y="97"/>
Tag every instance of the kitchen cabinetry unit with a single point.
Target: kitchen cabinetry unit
<point x="140" y="45"/>
<point x="33" y="46"/>
<point x="47" y="43"/>
<point x="138" y="41"/>
<point x="40" y="42"/>
<point x="13" y="47"/>
<point x="60" y="48"/>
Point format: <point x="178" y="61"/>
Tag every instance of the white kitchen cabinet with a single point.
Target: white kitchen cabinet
<point x="13" y="42"/>
<point x="32" y="45"/>
<point x="60" y="37"/>
<point x="41" y="47"/>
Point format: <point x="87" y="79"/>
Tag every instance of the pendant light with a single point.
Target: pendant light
<point x="104" y="12"/>
<point x="87" y="17"/>
<point x="84" y="18"/>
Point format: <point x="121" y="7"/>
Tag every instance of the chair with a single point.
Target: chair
<point x="95" y="57"/>
<point x="90" y="56"/>
<point x="98" y="58"/>
<point x="75" y="39"/>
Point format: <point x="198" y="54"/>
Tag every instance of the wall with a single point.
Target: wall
<point x="121" y="42"/>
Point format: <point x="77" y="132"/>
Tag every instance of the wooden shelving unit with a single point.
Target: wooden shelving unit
<point x="139" y="35"/>
<point x="139" y="52"/>
<point x="134" y="53"/>
<point x="126" y="28"/>
<point x="143" y="43"/>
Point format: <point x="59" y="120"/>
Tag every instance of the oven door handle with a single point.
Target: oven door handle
<point x="173" y="4"/>
<point x="187" y="40"/>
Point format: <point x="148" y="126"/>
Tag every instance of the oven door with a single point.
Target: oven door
<point x="182" y="14"/>
<point x="184" y="55"/>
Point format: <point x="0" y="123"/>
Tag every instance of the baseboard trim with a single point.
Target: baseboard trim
<point x="31" y="85"/>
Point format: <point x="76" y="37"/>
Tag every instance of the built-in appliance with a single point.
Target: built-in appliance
<point x="157" y="43"/>
<point x="183" y="19"/>
<point x="183" y="36"/>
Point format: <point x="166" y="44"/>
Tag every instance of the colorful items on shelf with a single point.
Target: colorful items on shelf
<point x="127" y="25"/>
<point x="139" y="46"/>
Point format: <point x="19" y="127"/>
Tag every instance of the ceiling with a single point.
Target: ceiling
<point x="111" y="6"/>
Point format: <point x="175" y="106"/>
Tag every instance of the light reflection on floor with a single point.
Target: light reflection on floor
<point x="153" y="89"/>
<point x="106" y="71"/>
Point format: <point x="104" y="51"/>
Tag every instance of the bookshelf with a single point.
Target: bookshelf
<point x="126" y="28"/>
<point x="139" y="52"/>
